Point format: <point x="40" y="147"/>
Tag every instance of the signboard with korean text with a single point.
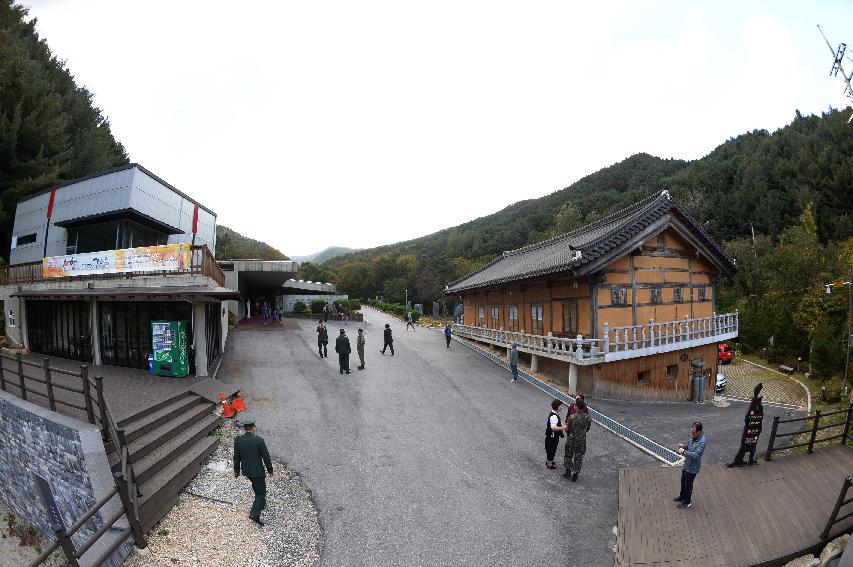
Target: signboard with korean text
<point x="165" y="258"/>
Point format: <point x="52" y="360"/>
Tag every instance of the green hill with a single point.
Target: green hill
<point x="231" y="245"/>
<point x="326" y="255"/>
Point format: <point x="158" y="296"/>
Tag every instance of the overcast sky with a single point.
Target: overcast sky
<point x="310" y="124"/>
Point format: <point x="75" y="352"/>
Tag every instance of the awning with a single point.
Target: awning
<point x="213" y="292"/>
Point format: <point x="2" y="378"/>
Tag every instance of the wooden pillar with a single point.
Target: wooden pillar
<point x="200" y="338"/>
<point x="95" y="330"/>
<point x="633" y="291"/>
<point x="690" y="282"/>
<point x="551" y="307"/>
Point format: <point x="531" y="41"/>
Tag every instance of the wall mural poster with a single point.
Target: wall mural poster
<point x="166" y="258"/>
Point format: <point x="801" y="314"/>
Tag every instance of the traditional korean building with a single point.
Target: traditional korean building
<point x="621" y="308"/>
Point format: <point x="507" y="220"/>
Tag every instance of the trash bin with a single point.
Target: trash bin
<point x="151" y="363"/>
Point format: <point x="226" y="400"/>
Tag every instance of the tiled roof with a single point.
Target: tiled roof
<point x="583" y="246"/>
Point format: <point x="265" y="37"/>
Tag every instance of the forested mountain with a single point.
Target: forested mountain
<point x="794" y="187"/>
<point x="325" y="255"/>
<point x="231" y="245"/>
<point x="49" y="129"/>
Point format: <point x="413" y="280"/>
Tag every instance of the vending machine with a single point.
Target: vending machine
<point x="171" y="352"/>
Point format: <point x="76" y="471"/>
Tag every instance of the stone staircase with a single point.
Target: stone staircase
<point x="167" y="444"/>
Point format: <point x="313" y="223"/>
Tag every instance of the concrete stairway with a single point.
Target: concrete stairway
<point x="167" y="444"/>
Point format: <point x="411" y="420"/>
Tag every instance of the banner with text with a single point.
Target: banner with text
<point x="166" y="258"/>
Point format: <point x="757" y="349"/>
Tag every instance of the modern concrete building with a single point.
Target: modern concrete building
<point x="95" y="260"/>
<point x="256" y="280"/>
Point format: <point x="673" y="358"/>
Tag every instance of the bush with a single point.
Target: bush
<point x="317" y="306"/>
<point x="354" y="304"/>
<point x="834" y="390"/>
<point x="299" y="307"/>
<point x="395" y="309"/>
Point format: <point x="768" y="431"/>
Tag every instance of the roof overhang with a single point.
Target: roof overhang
<point x="181" y="292"/>
<point x="123" y="214"/>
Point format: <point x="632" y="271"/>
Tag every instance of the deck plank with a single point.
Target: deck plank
<point x="740" y="517"/>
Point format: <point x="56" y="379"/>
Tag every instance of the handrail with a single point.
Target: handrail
<point x="812" y="431"/>
<point x="839" y="503"/>
<point x="202" y="263"/>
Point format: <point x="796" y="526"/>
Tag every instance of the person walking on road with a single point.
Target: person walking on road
<point x="343" y="348"/>
<point x="447" y="334"/>
<point x="250" y="458"/>
<point x="359" y="347"/>
<point x="323" y="339"/>
<point x="554" y="429"/>
<point x="513" y="361"/>
<point x="692" y="453"/>
<point x="409" y="322"/>
<point x="576" y="427"/>
<point x="388" y="340"/>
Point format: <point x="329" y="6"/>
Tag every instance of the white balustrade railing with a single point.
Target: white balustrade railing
<point x="666" y="335"/>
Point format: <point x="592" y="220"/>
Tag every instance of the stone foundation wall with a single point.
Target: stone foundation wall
<point x="70" y="455"/>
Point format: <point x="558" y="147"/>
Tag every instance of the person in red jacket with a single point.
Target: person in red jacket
<point x="574" y="408"/>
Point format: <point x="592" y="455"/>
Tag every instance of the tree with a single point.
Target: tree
<point x="568" y="218"/>
<point x="309" y="271"/>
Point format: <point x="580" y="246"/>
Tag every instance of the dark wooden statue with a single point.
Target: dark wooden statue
<point x="752" y="422"/>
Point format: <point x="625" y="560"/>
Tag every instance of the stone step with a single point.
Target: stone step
<point x="140" y="425"/>
<point x="164" y="453"/>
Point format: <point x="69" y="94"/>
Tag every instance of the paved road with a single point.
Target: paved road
<point x="430" y="457"/>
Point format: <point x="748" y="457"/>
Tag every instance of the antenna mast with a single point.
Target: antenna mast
<point x="838" y="55"/>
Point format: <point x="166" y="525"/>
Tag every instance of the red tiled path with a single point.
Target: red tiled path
<point x="759" y="515"/>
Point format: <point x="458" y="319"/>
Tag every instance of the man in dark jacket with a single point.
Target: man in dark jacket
<point x="323" y="340"/>
<point x="692" y="453"/>
<point x="576" y="427"/>
<point x="250" y="457"/>
<point x="343" y="348"/>
<point x="389" y="340"/>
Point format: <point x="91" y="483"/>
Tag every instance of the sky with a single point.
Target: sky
<point x="313" y="124"/>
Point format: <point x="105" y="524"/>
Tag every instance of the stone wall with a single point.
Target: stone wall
<point x="70" y="455"/>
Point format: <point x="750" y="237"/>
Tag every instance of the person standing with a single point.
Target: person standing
<point x="513" y="361"/>
<point x="576" y="427"/>
<point x="553" y="431"/>
<point x="447" y="334"/>
<point x="323" y="339"/>
<point x="325" y="313"/>
<point x="692" y="453"/>
<point x="359" y="347"/>
<point x="409" y="322"/>
<point x="343" y="348"/>
<point x="388" y="340"/>
<point x="346" y="315"/>
<point x="250" y="457"/>
<point x="574" y="407"/>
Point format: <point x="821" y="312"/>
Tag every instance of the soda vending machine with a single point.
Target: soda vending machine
<point x="171" y="352"/>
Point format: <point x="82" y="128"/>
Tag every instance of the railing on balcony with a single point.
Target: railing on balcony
<point x="202" y="263"/>
<point x="618" y="342"/>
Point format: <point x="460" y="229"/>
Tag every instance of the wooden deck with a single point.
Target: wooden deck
<point x="760" y="515"/>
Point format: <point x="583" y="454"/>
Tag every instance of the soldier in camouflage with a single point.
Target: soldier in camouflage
<point x="576" y="427"/>
<point x="359" y="347"/>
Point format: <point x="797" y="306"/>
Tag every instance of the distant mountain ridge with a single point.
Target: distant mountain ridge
<point x="231" y="245"/>
<point x="327" y="254"/>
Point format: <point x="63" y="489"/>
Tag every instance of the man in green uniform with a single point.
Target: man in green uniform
<point x="250" y="456"/>
<point x="322" y="339"/>
<point x="577" y="426"/>
<point x="343" y="348"/>
<point x="359" y="347"/>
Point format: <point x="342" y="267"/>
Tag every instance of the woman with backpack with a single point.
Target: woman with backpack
<point x="554" y="429"/>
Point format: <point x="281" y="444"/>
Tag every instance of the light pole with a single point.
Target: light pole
<point x="849" y="337"/>
<point x="407" y="299"/>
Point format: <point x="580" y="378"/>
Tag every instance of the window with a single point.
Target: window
<point x="537" y="323"/>
<point x="655" y="294"/>
<point x="644" y="378"/>
<point x="672" y="372"/>
<point x="481" y="316"/>
<point x="618" y="295"/>
<point x="570" y="317"/>
<point x="26" y="239"/>
<point x="496" y="316"/>
<point x="10" y="321"/>
<point x="113" y="235"/>
<point x="513" y="317"/>
<point x="677" y="294"/>
<point x="700" y="294"/>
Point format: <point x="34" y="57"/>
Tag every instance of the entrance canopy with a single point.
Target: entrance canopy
<point x="200" y="291"/>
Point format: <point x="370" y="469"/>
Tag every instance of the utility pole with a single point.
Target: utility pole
<point x="838" y="58"/>
<point x="849" y="337"/>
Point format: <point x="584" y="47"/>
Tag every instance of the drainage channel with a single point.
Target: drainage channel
<point x="653" y="448"/>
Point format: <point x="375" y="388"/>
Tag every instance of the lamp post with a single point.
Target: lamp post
<point x="407" y="299"/>
<point x="849" y="337"/>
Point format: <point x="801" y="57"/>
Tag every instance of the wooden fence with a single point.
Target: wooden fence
<point x="814" y="432"/>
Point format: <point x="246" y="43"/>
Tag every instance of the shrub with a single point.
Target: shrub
<point x="354" y="304"/>
<point x="299" y="307"/>
<point x="834" y="390"/>
<point x="317" y="306"/>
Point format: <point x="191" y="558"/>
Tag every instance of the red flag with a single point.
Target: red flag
<point x="50" y="203"/>
<point x="195" y="219"/>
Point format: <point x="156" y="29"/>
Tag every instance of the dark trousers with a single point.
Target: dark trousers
<point x="573" y="457"/>
<point x="343" y="362"/>
<point x="514" y="369"/>
<point x="259" y="485"/>
<point x="448" y="340"/>
<point x="361" y="357"/>
<point x="388" y="345"/>
<point x="323" y="348"/>
<point x="551" y="447"/>
<point x="686" y="493"/>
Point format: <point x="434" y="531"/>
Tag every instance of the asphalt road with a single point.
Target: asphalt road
<point x="430" y="457"/>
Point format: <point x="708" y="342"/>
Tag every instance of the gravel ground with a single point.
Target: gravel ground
<point x="205" y="532"/>
<point x="13" y="553"/>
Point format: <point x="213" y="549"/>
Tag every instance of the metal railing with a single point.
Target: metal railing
<point x="839" y="504"/>
<point x="617" y="341"/>
<point x="812" y="432"/>
<point x="202" y="263"/>
<point x="86" y="398"/>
